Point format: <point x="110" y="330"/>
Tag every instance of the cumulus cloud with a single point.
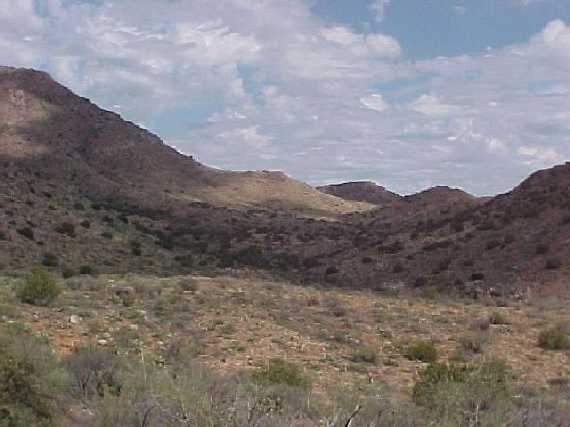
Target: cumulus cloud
<point x="375" y="102"/>
<point x="265" y="84"/>
<point x="431" y="105"/>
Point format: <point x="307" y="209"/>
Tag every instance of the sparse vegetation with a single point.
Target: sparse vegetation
<point x="365" y="354"/>
<point x="278" y="371"/>
<point x="498" y="318"/>
<point x="554" y="338"/>
<point x="423" y="351"/>
<point x="38" y="288"/>
<point x="461" y="394"/>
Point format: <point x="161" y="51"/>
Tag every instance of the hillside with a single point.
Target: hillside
<point x="82" y="189"/>
<point x="363" y="191"/>
<point x="47" y="126"/>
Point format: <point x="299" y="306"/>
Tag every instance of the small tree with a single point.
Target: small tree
<point x="39" y="288"/>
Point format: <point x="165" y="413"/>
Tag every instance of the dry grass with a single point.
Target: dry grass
<point x="241" y="323"/>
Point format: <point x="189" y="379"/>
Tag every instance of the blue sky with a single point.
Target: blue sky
<point x="430" y="28"/>
<point x="407" y="93"/>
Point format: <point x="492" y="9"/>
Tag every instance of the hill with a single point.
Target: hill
<point x="82" y="189"/>
<point x="47" y="126"/>
<point x="363" y="191"/>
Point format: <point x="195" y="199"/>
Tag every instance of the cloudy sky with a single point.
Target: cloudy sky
<point x="408" y="93"/>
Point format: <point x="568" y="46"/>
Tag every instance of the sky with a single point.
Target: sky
<point x="473" y="94"/>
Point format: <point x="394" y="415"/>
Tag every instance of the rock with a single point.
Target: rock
<point x="106" y="335"/>
<point x="134" y="327"/>
<point x="102" y="342"/>
<point x="74" y="319"/>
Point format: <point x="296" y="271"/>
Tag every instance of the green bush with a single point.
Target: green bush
<point x="30" y="381"/>
<point x="554" y="338"/>
<point x="365" y="354"/>
<point x="66" y="228"/>
<point x="93" y="371"/>
<point x="474" y="342"/>
<point x="39" y="288"/>
<point x="68" y="273"/>
<point x="86" y="269"/>
<point x="50" y="260"/>
<point x="423" y="351"/>
<point x="27" y="232"/>
<point x="462" y="394"/>
<point x="279" y="371"/>
<point x="498" y="318"/>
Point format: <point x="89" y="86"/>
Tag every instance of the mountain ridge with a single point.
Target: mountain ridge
<point x="83" y="188"/>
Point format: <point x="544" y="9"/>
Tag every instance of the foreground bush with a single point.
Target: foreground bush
<point x="423" y="351"/>
<point x="463" y="394"/>
<point x="278" y="371"/>
<point x="31" y="381"/>
<point x="554" y="338"/>
<point x="39" y="288"/>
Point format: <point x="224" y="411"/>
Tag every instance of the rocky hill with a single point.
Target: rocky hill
<point x="83" y="190"/>
<point x="363" y="191"/>
<point x="47" y="126"/>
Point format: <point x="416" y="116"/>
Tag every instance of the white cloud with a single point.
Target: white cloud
<point x="431" y="105"/>
<point x="249" y="136"/>
<point x="539" y="155"/>
<point x="375" y="102"/>
<point x="278" y="88"/>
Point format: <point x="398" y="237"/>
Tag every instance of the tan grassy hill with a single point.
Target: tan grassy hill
<point x="46" y="125"/>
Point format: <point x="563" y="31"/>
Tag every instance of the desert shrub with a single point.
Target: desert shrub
<point x="152" y="396"/>
<point x="66" y="228"/>
<point x="183" y="350"/>
<point x="423" y="351"/>
<point x="553" y="264"/>
<point x="27" y="232"/>
<point x="85" y="270"/>
<point x="498" y="318"/>
<point x="509" y="238"/>
<point x="365" y="354"/>
<point x="30" y="381"/>
<point x="74" y="284"/>
<point x="313" y="301"/>
<point x="474" y="342"/>
<point x="331" y="270"/>
<point x="477" y="277"/>
<point x="187" y="285"/>
<point x="186" y="261"/>
<point x="481" y="324"/>
<point x="492" y="244"/>
<point x="420" y="282"/>
<point x="279" y="371"/>
<point x="50" y="260"/>
<point x="398" y="268"/>
<point x="68" y="273"/>
<point x="38" y="288"/>
<point x="463" y="394"/>
<point x="542" y="249"/>
<point x="554" y="338"/>
<point x="107" y="235"/>
<point x="92" y="371"/>
<point x="85" y="223"/>
<point x="335" y="307"/>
